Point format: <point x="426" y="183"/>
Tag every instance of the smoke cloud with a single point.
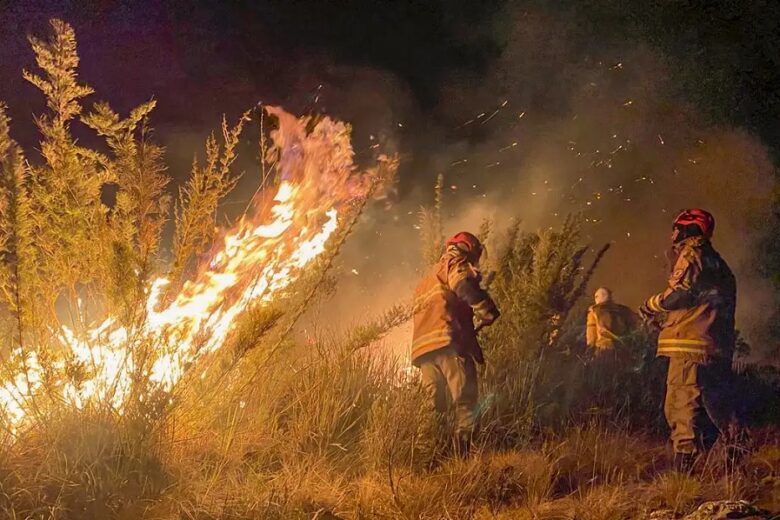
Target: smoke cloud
<point x="554" y="128"/>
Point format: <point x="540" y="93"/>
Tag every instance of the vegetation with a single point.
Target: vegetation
<point x="270" y="428"/>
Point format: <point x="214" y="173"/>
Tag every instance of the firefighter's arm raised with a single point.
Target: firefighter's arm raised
<point x="679" y="294"/>
<point x="464" y="280"/>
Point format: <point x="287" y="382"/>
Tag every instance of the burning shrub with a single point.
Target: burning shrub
<point x="99" y="336"/>
<point x="88" y="260"/>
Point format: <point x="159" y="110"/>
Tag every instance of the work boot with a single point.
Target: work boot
<point x="683" y="463"/>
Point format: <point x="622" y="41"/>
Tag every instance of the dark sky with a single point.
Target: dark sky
<point x="202" y="58"/>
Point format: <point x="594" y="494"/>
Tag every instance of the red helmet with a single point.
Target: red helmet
<point x="466" y="241"/>
<point x="699" y="217"/>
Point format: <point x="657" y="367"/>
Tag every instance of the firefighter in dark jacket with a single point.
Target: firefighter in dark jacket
<point x="449" y="308"/>
<point x="695" y="314"/>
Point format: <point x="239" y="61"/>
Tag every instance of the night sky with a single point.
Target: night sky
<point x="200" y="59"/>
<point x="622" y="111"/>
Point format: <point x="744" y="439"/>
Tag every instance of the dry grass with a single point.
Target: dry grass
<point x="676" y="491"/>
<point x="330" y="437"/>
<point x="613" y="502"/>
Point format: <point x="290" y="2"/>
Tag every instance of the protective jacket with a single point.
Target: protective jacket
<point x="608" y="323"/>
<point x="698" y="304"/>
<point x="446" y="302"/>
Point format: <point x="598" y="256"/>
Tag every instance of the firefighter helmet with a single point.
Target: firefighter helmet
<point x="696" y="217"/>
<point x="468" y="242"/>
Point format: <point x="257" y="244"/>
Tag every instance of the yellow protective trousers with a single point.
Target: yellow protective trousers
<point x="700" y="404"/>
<point x="448" y="377"/>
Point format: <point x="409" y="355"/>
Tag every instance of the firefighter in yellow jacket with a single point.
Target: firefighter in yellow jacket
<point x="449" y="308"/>
<point x="695" y="314"/>
<point x="608" y="322"/>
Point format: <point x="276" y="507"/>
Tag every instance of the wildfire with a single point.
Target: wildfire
<point x="261" y="256"/>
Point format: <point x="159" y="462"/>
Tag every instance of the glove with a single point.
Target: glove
<point x="646" y="314"/>
<point x="481" y="324"/>
<point x="649" y="318"/>
<point x="486" y="320"/>
<point x="485" y="313"/>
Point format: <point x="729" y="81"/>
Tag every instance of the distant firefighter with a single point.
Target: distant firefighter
<point x="609" y="323"/>
<point x="450" y="307"/>
<point x="696" y="318"/>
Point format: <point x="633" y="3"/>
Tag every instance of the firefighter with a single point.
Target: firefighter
<point x="608" y="322"/>
<point x="449" y="309"/>
<point x="695" y="315"/>
<point x="609" y="327"/>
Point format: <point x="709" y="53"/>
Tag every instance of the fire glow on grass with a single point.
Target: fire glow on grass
<point x="261" y="256"/>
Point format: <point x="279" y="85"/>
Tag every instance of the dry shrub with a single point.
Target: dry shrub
<point x="539" y="277"/>
<point x="402" y="432"/>
<point x="501" y="479"/>
<point x="84" y="465"/>
<point x="458" y="487"/>
<point x="300" y="434"/>
<point x="675" y="491"/>
<point x="764" y="461"/>
<point x="299" y="491"/>
<point x="613" y="502"/>
<point x="327" y="403"/>
<point x="560" y="509"/>
<point x="756" y="478"/>
<point x="409" y="495"/>
<point x="589" y="455"/>
<point x="522" y="475"/>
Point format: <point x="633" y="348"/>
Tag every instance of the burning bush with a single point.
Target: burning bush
<point x="68" y="258"/>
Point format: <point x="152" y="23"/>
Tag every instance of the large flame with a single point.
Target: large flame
<point x="259" y="257"/>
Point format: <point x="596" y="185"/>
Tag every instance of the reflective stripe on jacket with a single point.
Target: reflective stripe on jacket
<point x="699" y="303"/>
<point x="445" y="303"/>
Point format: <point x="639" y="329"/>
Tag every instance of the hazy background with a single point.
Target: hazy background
<point x="623" y="112"/>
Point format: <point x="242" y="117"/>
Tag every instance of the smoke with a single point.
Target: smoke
<point x="560" y="125"/>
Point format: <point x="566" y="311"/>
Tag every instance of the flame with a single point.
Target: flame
<point x="257" y="259"/>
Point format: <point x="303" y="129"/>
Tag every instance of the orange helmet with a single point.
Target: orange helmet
<point x="467" y="242"/>
<point x="697" y="217"/>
